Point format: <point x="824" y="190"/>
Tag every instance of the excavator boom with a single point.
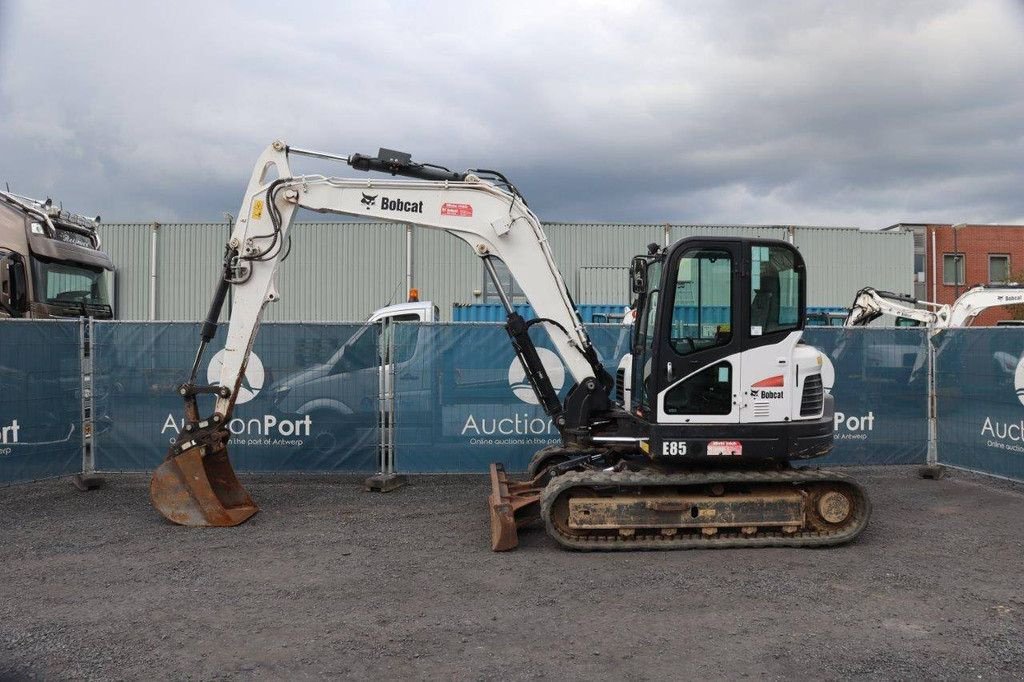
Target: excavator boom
<point x="195" y="485"/>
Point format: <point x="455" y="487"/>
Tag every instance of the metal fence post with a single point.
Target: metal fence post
<point x="386" y="480"/>
<point x="932" y="468"/>
<point x="389" y="394"/>
<point x="87" y="478"/>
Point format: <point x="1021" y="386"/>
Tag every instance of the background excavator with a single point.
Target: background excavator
<point x="722" y="404"/>
<point x="870" y="304"/>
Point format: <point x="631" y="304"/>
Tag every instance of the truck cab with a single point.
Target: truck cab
<point x="51" y="262"/>
<point x="338" y="387"/>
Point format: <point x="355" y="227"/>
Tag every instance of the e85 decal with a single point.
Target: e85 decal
<point x="673" y="448"/>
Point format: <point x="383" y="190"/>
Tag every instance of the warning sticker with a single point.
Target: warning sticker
<point x="724" y="448"/>
<point x="458" y="210"/>
<point x="257" y="209"/>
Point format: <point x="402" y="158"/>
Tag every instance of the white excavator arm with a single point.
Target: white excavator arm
<point x="870" y="304"/>
<point x="196" y="484"/>
<point x="981" y="297"/>
<point x="494" y="221"/>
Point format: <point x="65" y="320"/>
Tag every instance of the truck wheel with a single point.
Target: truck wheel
<point x="331" y="435"/>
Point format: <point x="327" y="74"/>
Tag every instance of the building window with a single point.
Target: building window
<point x="953" y="268"/>
<point x="508" y="283"/>
<point x="998" y="268"/>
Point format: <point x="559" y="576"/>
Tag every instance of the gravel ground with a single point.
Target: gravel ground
<point x="329" y="581"/>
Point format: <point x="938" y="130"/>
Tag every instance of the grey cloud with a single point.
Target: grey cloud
<point x="646" y="111"/>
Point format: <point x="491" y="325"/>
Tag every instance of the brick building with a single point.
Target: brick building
<point x="949" y="259"/>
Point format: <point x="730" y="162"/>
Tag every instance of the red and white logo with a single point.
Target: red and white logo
<point x="457" y="210"/>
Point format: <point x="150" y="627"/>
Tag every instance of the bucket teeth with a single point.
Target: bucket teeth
<point x="196" y="488"/>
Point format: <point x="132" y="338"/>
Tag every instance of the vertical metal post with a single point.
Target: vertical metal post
<point x="382" y="409"/>
<point x="389" y="395"/>
<point x="152" y="270"/>
<point x="667" y="233"/>
<point x="408" y="260"/>
<point x="932" y="468"/>
<point x="386" y="480"/>
<point x="85" y="391"/>
<point x="933" y="445"/>
<point x="86" y="479"/>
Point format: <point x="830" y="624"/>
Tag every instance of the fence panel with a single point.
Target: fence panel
<point x="980" y="391"/>
<point x="311" y="396"/>
<point x="308" y="401"/>
<point x="462" y="399"/>
<point x="40" y="399"/>
<point x="879" y="379"/>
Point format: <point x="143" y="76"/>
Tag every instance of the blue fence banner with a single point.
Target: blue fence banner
<point x="311" y="396"/>
<point x="309" y="400"/>
<point x="980" y="399"/>
<point x="40" y="399"/>
<point x="495" y="312"/>
<point x="462" y="399"/>
<point x="879" y="379"/>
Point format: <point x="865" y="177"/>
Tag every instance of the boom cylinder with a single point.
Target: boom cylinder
<point x="519" y="333"/>
<point x="209" y="328"/>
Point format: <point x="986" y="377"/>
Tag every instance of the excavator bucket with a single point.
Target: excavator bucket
<point x="199" y="488"/>
<point x="511" y="505"/>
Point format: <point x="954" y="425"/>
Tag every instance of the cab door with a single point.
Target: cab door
<point x="698" y="364"/>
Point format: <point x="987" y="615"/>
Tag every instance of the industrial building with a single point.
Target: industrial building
<point x="343" y="271"/>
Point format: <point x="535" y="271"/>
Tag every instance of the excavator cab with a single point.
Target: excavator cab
<point x="717" y="350"/>
<point x="724" y="396"/>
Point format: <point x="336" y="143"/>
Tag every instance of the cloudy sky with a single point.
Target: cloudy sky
<point x="862" y="114"/>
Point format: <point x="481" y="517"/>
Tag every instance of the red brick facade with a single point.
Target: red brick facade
<point x="976" y="243"/>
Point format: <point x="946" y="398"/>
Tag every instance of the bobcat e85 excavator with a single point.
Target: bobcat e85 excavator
<point x="725" y="394"/>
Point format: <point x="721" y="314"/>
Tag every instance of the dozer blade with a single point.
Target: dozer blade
<point x="511" y="505"/>
<point x="191" y="489"/>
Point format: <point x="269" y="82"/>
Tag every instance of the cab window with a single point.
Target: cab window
<point x="406" y="335"/>
<point x="702" y="304"/>
<point x="645" y="324"/>
<point x="775" y="285"/>
<point x="709" y="391"/>
<point x="359" y="353"/>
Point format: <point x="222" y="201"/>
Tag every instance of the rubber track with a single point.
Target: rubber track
<point x="724" y="539"/>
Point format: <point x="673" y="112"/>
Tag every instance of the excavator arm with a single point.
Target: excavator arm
<point x="981" y="297"/>
<point x="195" y="485"/>
<point x="869" y="304"/>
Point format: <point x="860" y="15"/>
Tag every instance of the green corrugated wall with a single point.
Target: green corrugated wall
<point x="343" y="271"/>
